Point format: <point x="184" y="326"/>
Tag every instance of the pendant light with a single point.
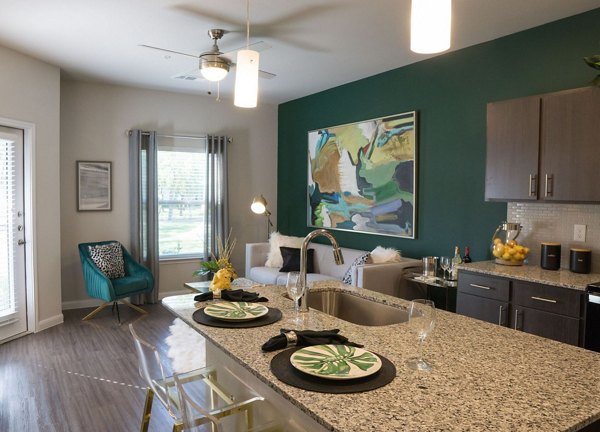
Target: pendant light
<point x="246" y="75"/>
<point x="430" y="24"/>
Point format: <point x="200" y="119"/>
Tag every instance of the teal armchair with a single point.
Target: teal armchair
<point x="138" y="280"/>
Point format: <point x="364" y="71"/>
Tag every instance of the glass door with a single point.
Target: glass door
<point x="13" y="308"/>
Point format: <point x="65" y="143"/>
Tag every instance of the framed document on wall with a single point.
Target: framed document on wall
<point x="94" y="186"/>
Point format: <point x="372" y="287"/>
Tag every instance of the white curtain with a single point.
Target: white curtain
<point x="144" y="206"/>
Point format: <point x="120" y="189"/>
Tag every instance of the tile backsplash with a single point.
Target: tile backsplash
<point x="546" y="222"/>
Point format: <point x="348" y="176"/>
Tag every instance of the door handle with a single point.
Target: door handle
<point x="500" y="315"/>
<point x="549" y="185"/>
<point x="532" y="185"/>
<point x="20" y="242"/>
<point x="516" y="318"/>
<point x="543" y="299"/>
<point x="480" y="286"/>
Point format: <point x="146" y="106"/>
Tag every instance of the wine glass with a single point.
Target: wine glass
<point x="421" y="320"/>
<point x="295" y="290"/>
<point x="445" y="263"/>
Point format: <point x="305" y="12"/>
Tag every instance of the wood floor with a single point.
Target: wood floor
<point x="81" y="376"/>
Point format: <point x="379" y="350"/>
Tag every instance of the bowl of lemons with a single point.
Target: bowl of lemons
<point x="509" y="253"/>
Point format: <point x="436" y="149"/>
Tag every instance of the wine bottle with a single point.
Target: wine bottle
<point x="455" y="262"/>
<point x="467" y="258"/>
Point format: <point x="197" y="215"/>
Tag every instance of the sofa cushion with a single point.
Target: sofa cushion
<point x="291" y="260"/>
<point x="129" y="285"/>
<point x="274" y="258"/>
<point x="325" y="263"/>
<point x="361" y="260"/>
<point x="264" y="275"/>
<point x="109" y="259"/>
<point x="383" y="255"/>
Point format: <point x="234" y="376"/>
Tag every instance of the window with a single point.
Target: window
<point x="181" y="208"/>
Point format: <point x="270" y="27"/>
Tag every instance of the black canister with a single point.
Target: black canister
<point x="550" y="256"/>
<point x="580" y="260"/>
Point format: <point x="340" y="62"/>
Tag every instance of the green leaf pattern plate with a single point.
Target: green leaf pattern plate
<point x="336" y="362"/>
<point x="236" y="311"/>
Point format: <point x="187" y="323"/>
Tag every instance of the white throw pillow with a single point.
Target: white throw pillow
<point x="277" y="240"/>
<point x="382" y="255"/>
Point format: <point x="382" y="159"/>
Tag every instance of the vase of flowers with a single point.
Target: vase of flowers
<point x="219" y="267"/>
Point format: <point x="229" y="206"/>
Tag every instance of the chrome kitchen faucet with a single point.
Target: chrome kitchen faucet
<point x="337" y="255"/>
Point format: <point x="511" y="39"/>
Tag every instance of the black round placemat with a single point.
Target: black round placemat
<point x="282" y="368"/>
<point x="272" y="316"/>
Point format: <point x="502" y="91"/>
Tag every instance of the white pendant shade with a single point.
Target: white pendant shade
<point x="246" y="79"/>
<point x="430" y="26"/>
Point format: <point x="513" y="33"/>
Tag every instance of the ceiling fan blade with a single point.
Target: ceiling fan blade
<point x="169" y="51"/>
<point x="266" y="75"/>
<point x="256" y="46"/>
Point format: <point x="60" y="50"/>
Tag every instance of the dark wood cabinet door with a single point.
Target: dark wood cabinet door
<point x="570" y="146"/>
<point x="481" y="308"/>
<point x="546" y="324"/>
<point x="513" y="136"/>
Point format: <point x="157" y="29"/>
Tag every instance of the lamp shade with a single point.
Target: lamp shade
<point x="246" y="79"/>
<point x="430" y="26"/>
<point x="259" y="205"/>
<point x="213" y="68"/>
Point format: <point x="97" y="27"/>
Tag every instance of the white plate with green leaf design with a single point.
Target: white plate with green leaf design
<point x="336" y="362"/>
<point x="236" y="311"/>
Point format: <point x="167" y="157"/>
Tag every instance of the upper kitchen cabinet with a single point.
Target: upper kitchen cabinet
<point x="513" y="136"/>
<point x="570" y="146"/>
<point x="544" y="147"/>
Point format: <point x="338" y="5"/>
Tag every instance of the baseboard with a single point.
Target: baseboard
<point x="90" y="302"/>
<point x="49" y="322"/>
<point x="80" y="304"/>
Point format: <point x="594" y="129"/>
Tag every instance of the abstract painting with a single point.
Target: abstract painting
<point x="361" y="176"/>
<point x="94" y="186"/>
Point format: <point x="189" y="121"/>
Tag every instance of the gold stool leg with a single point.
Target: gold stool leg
<point x="147" y="410"/>
<point x="134" y="307"/>
<point x="95" y="311"/>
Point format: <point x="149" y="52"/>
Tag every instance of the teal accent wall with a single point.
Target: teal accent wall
<point x="450" y="93"/>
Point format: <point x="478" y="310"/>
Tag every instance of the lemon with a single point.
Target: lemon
<point x="506" y="256"/>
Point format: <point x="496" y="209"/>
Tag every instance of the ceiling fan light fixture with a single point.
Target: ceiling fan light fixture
<point x="430" y="26"/>
<point x="213" y="68"/>
<point x="246" y="79"/>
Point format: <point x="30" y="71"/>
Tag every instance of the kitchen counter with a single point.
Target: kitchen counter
<point x="563" y="277"/>
<point x="484" y="378"/>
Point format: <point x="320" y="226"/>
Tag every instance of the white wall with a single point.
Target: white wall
<point x="94" y="119"/>
<point x="30" y="92"/>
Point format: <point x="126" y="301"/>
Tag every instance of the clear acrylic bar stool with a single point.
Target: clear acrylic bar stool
<point x="201" y="383"/>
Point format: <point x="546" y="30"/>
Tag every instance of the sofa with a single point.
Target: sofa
<point x="387" y="278"/>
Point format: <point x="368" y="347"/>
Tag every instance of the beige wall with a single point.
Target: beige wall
<point x="30" y="92"/>
<point x="94" y="119"/>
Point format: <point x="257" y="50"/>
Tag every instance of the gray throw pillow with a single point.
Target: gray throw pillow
<point x="109" y="259"/>
<point x="361" y="260"/>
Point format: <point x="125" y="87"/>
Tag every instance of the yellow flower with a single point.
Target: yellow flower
<point x="222" y="280"/>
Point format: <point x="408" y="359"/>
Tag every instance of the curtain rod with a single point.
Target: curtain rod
<point x="191" y="137"/>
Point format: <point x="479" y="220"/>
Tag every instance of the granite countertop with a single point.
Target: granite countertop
<point x="484" y="378"/>
<point x="563" y="277"/>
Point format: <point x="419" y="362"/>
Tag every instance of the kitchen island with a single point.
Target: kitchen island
<point x="484" y="378"/>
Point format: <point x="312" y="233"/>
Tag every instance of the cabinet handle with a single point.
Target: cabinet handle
<point x="543" y="299"/>
<point x="500" y="315"/>
<point x="549" y="185"/>
<point x="516" y="318"/>
<point x="480" y="286"/>
<point x="532" y="185"/>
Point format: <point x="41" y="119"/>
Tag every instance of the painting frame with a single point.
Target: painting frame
<point x="94" y="186"/>
<point x="354" y="199"/>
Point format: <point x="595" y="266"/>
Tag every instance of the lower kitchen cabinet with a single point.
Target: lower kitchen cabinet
<point x="484" y="309"/>
<point x="552" y="326"/>
<point x="544" y="310"/>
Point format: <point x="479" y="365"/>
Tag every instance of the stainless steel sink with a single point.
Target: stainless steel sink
<point x="357" y="310"/>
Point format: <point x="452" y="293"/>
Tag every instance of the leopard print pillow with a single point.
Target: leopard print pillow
<point x="109" y="259"/>
<point x="361" y="260"/>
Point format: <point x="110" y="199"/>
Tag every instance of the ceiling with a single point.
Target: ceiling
<point x="315" y="44"/>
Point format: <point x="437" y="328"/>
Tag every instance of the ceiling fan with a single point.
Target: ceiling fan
<point x="213" y="64"/>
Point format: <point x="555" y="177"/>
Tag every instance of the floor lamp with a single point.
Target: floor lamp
<point x="259" y="206"/>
